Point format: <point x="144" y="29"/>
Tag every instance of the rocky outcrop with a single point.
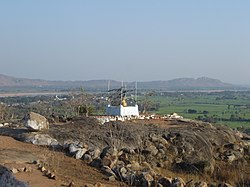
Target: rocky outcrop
<point x="135" y="156"/>
<point x="36" y="122"/>
<point x="140" y="155"/>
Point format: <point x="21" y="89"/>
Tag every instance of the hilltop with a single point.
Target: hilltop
<point x="8" y="81"/>
<point x="203" y="83"/>
<point x="148" y="152"/>
<point x="188" y="84"/>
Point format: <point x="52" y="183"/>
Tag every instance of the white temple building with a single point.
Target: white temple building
<point x="119" y="102"/>
<point x="122" y="110"/>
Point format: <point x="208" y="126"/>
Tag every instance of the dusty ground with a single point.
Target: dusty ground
<point x="15" y="154"/>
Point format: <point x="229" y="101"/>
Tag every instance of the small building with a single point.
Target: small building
<point x="122" y="110"/>
<point x="122" y="102"/>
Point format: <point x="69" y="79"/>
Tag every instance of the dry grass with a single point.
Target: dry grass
<point x="236" y="173"/>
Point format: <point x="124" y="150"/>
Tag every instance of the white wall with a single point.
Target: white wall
<point x="122" y="111"/>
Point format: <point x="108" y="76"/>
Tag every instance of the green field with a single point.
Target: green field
<point x="228" y="108"/>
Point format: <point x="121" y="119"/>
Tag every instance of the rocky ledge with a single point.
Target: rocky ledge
<point x="152" y="152"/>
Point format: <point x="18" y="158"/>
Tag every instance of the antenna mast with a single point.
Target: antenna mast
<point x="121" y="91"/>
<point x="135" y="91"/>
<point x="108" y="85"/>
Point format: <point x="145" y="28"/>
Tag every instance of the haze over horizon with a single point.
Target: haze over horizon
<point x="125" y="40"/>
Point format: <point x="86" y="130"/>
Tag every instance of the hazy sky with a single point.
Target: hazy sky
<point x="125" y="39"/>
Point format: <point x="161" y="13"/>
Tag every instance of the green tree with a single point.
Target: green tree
<point x="146" y="104"/>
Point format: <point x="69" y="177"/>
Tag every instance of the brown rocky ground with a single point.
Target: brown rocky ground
<point x="188" y="149"/>
<point x="16" y="154"/>
<point x="137" y="152"/>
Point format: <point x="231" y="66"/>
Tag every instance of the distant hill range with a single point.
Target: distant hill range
<point x="203" y="83"/>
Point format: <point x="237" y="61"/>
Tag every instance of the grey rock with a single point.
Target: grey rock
<point x="94" y="152"/>
<point x="36" y="122"/>
<point x="79" y="153"/>
<point x="87" y="158"/>
<point x="109" y="156"/>
<point x="108" y="151"/>
<point x="74" y="147"/>
<point x="166" y="182"/>
<point x="107" y="171"/>
<point x="121" y="173"/>
<point x="123" y="170"/>
<point x="97" y="163"/>
<point x="77" y="150"/>
<point x="178" y="182"/>
<point x="8" y="180"/>
<point x="144" y="180"/>
<point x="41" y="139"/>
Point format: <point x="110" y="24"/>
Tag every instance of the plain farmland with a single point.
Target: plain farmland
<point x="227" y="107"/>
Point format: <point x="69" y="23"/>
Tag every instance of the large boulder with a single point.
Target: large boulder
<point x="41" y="139"/>
<point x="36" y="122"/>
<point x="7" y="179"/>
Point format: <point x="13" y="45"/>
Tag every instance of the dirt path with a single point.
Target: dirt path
<point x="19" y="155"/>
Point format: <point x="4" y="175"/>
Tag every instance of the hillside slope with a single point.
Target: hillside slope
<point x="15" y="154"/>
